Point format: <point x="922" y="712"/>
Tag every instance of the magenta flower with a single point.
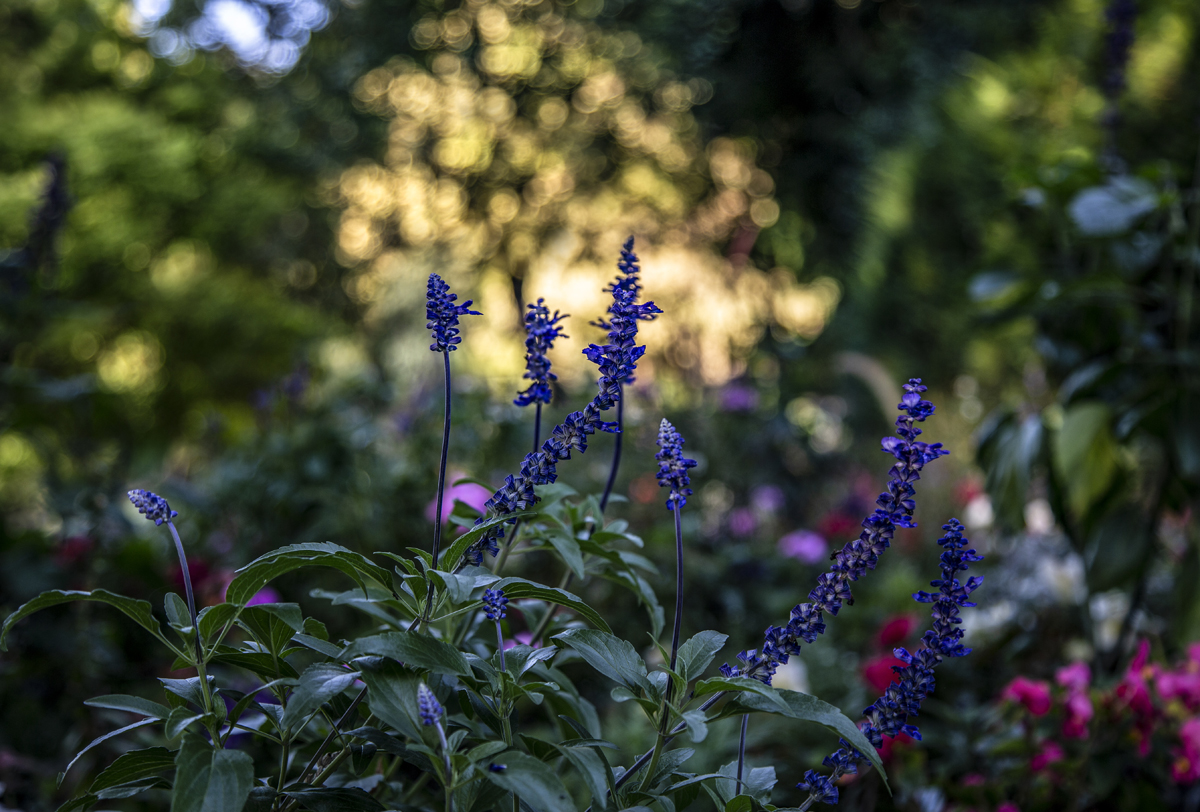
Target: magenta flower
<point x="468" y="493"/>
<point x="1050" y="753"/>
<point x="805" y="546"/>
<point x="1074" y="677"/>
<point x="1033" y="694"/>
<point x="265" y="595"/>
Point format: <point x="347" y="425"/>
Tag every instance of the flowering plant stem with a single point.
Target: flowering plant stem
<point x="205" y="691"/>
<point x="616" y="460"/>
<point x="441" y="488"/>
<point x="498" y="564"/>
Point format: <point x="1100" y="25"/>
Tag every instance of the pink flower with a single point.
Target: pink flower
<point x="742" y="522"/>
<point x="1008" y="806"/>
<point x="1050" y="753"/>
<point x="878" y="672"/>
<point x="1079" y="713"/>
<point x="520" y="638"/>
<point x="468" y="493"/>
<point x="973" y="780"/>
<point x="1074" y="677"/>
<point x="1033" y="694"/>
<point x="896" y="630"/>
<point x="1181" y="685"/>
<point x="265" y="595"/>
<point x="1185" y="769"/>
<point x="1132" y="690"/>
<point x="804" y="545"/>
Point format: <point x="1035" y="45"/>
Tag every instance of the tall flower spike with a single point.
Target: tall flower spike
<point x="902" y="699"/>
<point x="895" y="509"/>
<point x="152" y="506"/>
<point x="673" y="466"/>
<point x="428" y="707"/>
<point x="617" y="360"/>
<point x="443" y="314"/>
<point x="541" y="329"/>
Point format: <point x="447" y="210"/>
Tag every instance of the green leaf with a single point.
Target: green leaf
<point x="334" y="799"/>
<point x="134" y="765"/>
<point x="414" y="650"/>
<point x="485" y="750"/>
<point x="521" y="658"/>
<point x="1085" y="454"/>
<point x="742" y="685"/>
<point x="459" y="586"/>
<point x="520" y="588"/>
<point x="265" y="665"/>
<point x="188" y="688"/>
<point x="273" y="624"/>
<point x="596" y="773"/>
<point x="568" y="550"/>
<point x="697" y="724"/>
<point x="139" y="611"/>
<point x="177" y="611"/>
<point x="208" y="780"/>
<point x="212" y="619"/>
<point x="810" y="709"/>
<point x="133" y="704"/>
<point x="82" y="802"/>
<point x="454" y="553"/>
<point x="392" y="696"/>
<point x="179" y="721"/>
<point x="104" y="738"/>
<point x="318" y="684"/>
<point x="316" y="644"/>
<point x="613" y="657"/>
<point x="534" y="781"/>
<point x="698" y="652"/>
<point x="257" y="574"/>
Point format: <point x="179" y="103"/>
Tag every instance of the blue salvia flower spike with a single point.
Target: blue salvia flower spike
<point x="617" y="361"/>
<point x="541" y="330"/>
<point x="895" y="509"/>
<point x="888" y="716"/>
<point x="672" y="474"/>
<point x="428" y="708"/>
<point x="443" y="315"/>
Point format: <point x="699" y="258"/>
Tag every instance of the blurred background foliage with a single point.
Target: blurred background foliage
<point x="216" y="221"/>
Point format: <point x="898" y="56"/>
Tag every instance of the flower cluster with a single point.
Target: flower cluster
<point x="541" y="329"/>
<point x="443" y="314"/>
<point x="673" y="466"/>
<point x="428" y="707"/>
<point x="152" y="506"/>
<point x="895" y="509"/>
<point x="902" y="699"/>
<point x="617" y="360"/>
<point x="494" y="604"/>
<point x="1121" y="15"/>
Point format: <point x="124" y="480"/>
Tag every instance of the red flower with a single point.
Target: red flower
<point x="877" y="672"/>
<point x="1033" y="694"/>
<point x="1050" y="753"/>
<point x="895" y="631"/>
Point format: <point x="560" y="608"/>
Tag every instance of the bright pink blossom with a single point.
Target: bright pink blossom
<point x="1132" y="691"/>
<point x="1074" y="677"/>
<point x="877" y="672"/>
<point x="1008" y="806"/>
<point x="1050" y="753"/>
<point x="468" y="493"/>
<point x="804" y="545"/>
<point x="896" y="630"/>
<point x="1185" y="769"/>
<point x="1033" y="694"/>
<point x="1078" y="713"/>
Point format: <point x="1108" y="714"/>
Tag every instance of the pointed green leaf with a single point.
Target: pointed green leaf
<point x="318" y="684"/>
<point x="593" y="769"/>
<point x="520" y="588"/>
<point x="454" y="553"/>
<point x="698" y="652"/>
<point x="104" y="738"/>
<point x="133" y="704"/>
<point x="334" y="799"/>
<point x="257" y="574"/>
<point x="134" y="765"/>
<point x="139" y="611"/>
<point x="414" y="650"/>
<point x="613" y="657"/>
<point x="532" y="780"/>
<point x="208" y="780"/>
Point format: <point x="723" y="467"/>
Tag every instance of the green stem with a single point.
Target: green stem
<point x="742" y="750"/>
<point x="205" y="691"/>
<point x="616" y="460"/>
<point x="441" y="488"/>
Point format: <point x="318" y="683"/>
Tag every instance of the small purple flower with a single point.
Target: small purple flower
<point x="805" y="546"/>
<point x="494" y="603"/>
<point x="541" y="329"/>
<point x="152" y="506"/>
<point x="443" y="314"/>
<point x="265" y="595"/>
<point x="428" y="707"/>
<point x="737" y="397"/>
<point x="742" y="522"/>
<point x="673" y="466"/>
<point x="767" y="499"/>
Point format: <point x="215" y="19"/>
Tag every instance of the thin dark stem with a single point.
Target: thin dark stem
<point x="437" y="531"/>
<point x="500" y="646"/>
<point x="742" y="750"/>
<point x="354" y="703"/>
<point x="537" y="427"/>
<point x="678" y="588"/>
<point x="616" y="460"/>
<point x="187" y="581"/>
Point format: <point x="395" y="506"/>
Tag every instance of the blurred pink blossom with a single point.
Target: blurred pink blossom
<point x="265" y="595"/>
<point x="742" y="522"/>
<point x="1185" y="769"/>
<point x="520" y="639"/>
<point x="804" y="545"/>
<point x="468" y="493"/>
<point x="1008" y="806"/>
<point x="1074" y="677"/>
<point x="1079" y="713"/>
<point x="1033" y="694"/>
<point x="1050" y="753"/>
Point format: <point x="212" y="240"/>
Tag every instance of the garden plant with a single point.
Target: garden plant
<point x="462" y="691"/>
